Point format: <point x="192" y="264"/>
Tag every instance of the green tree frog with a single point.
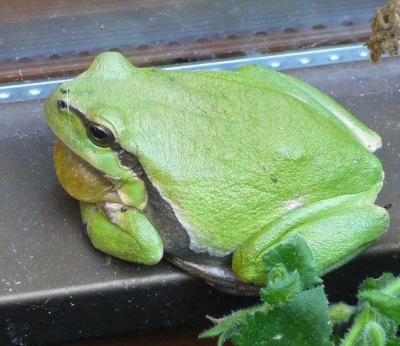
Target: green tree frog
<point x="210" y="169"/>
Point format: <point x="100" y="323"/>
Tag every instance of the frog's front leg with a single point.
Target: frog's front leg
<point x="335" y="231"/>
<point x="122" y="232"/>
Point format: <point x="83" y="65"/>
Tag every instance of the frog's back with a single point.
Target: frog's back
<point x="231" y="153"/>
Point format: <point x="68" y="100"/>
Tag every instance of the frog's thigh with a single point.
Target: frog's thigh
<point x="334" y="239"/>
<point x="130" y="236"/>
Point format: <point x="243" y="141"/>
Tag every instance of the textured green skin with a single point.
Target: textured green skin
<point x="246" y="158"/>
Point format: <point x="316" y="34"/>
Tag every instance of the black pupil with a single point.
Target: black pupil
<point x="98" y="133"/>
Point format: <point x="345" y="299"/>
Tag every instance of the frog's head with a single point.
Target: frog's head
<point x="90" y="162"/>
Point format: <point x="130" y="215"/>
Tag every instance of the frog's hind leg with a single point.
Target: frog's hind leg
<point x="335" y="233"/>
<point x="122" y="232"/>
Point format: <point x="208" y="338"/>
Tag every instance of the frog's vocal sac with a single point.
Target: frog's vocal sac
<point x="211" y="169"/>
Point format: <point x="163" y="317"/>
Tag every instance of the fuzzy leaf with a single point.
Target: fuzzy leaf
<point x="393" y="342"/>
<point x="389" y="325"/>
<point x="302" y="320"/>
<point x="374" y="334"/>
<point x="281" y="286"/>
<point x="377" y="284"/>
<point x="227" y="325"/>
<point x="386" y="304"/>
<point x="295" y="255"/>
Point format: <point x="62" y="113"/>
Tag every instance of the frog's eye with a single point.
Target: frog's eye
<point x="99" y="135"/>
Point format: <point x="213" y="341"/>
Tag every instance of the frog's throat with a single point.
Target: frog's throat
<point x="80" y="179"/>
<point x="85" y="182"/>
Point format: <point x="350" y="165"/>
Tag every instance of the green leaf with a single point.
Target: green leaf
<point x="389" y="325"/>
<point x="384" y="303"/>
<point x="302" y="320"/>
<point x="393" y="342"/>
<point x="296" y="256"/>
<point x="281" y="286"/>
<point x="374" y="334"/>
<point x="227" y="325"/>
<point x="377" y="284"/>
<point x="356" y="335"/>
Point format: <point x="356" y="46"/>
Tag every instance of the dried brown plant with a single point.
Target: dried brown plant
<point x="385" y="26"/>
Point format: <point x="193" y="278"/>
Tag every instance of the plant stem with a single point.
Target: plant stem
<point x="357" y="328"/>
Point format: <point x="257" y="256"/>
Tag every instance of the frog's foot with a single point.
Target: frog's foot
<point x="335" y="230"/>
<point x="122" y="232"/>
<point x="219" y="276"/>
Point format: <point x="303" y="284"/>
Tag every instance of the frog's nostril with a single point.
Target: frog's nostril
<point x="62" y="104"/>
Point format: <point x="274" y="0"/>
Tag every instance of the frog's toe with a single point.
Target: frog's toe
<point x="129" y="235"/>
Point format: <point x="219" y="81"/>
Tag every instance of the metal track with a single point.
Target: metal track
<point x="42" y="88"/>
